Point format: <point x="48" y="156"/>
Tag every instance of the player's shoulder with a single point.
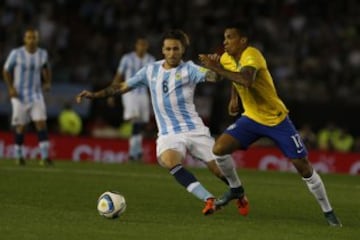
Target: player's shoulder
<point x="251" y="50"/>
<point x="128" y="55"/>
<point x="17" y="50"/>
<point x="42" y="51"/>
<point x="151" y="57"/>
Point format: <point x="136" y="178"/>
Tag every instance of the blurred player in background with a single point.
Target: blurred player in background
<point x="265" y="115"/>
<point x="27" y="73"/>
<point x="135" y="103"/>
<point x="172" y="84"/>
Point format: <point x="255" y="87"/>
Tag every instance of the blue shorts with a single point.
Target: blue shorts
<point x="285" y="135"/>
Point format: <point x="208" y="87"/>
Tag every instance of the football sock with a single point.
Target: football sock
<point x="188" y="180"/>
<point x="18" y="151"/>
<point x="43" y="143"/>
<point x="317" y="188"/>
<point x="138" y="145"/>
<point x="18" y="148"/>
<point x="227" y="167"/>
<point x="44" y="149"/>
<point x="132" y="146"/>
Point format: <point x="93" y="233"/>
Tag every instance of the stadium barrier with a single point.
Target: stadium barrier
<point x="115" y="151"/>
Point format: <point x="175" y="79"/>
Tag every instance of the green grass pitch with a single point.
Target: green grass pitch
<point x="60" y="203"/>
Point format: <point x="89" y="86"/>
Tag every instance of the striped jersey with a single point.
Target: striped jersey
<point x="26" y="69"/>
<point x="172" y="95"/>
<point x="130" y="63"/>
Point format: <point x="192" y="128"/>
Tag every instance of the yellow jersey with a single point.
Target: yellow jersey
<point x="260" y="101"/>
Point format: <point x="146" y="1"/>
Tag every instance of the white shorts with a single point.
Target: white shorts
<point x="199" y="144"/>
<point x="23" y="113"/>
<point x="136" y="106"/>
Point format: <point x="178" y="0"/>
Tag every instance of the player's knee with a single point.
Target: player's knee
<point x="303" y="167"/>
<point x="218" y="149"/>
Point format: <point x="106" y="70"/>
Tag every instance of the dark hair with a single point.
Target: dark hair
<point x="178" y="35"/>
<point x="30" y="29"/>
<point x="241" y="27"/>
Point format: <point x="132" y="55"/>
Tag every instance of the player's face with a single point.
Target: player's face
<point x="233" y="42"/>
<point x="141" y="46"/>
<point x="31" y="39"/>
<point x="173" y="51"/>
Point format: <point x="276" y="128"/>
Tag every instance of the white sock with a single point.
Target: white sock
<point x="18" y="151"/>
<point x="226" y="165"/>
<point x="132" y="146"/>
<point x="139" y="149"/>
<point x="199" y="191"/>
<point x="44" y="149"/>
<point x="317" y="188"/>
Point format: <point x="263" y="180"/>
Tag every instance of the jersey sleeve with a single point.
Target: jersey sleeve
<point x="196" y="73"/>
<point x="122" y="65"/>
<point x="44" y="58"/>
<point x="10" y="61"/>
<point x="139" y="79"/>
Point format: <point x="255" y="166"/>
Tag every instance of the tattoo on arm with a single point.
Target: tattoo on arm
<point x="109" y="91"/>
<point x="211" y="76"/>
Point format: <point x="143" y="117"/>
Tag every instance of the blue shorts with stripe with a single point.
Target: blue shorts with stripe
<point x="285" y="135"/>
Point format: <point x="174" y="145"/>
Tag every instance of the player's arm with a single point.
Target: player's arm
<point x="46" y="76"/>
<point x="245" y="77"/>
<point x="9" y="81"/>
<point x="8" y="74"/>
<point x="212" y="76"/>
<point x="234" y="103"/>
<point x="111" y="90"/>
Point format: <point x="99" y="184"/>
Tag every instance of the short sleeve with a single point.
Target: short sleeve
<point x="196" y="73"/>
<point x="122" y="65"/>
<point x="139" y="79"/>
<point x="44" y="58"/>
<point x="253" y="58"/>
<point x="10" y="61"/>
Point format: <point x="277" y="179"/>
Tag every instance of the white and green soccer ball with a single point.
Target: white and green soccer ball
<point x="111" y="204"/>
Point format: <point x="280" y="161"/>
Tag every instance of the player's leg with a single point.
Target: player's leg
<point x="201" y="144"/>
<point x="225" y="145"/>
<point x="171" y="153"/>
<point x="317" y="188"/>
<point x="141" y="117"/>
<point x="296" y="151"/>
<point x="135" y="142"/>
<point x="38" y="115"/>
<point x="18" y="121"/>
<point x="130" y="104"/>
<point x="236" y="136"/>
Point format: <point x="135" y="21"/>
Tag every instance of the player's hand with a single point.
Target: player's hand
<point x="84" y="94"/>
<point x="46" y="87"/>
<point x="210" y="61"/>
<point x="13" y="93"/>
<point x="111" y="102"/>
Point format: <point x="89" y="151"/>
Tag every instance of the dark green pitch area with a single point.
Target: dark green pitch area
<point x="60" y="203"/>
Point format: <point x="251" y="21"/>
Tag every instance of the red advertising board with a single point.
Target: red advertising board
<point x="115" y="151"/>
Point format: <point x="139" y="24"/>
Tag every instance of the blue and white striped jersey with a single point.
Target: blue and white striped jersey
<point x="172" y="95"/>
<point x="130" y="63"/>
<point x="26" y="68"/>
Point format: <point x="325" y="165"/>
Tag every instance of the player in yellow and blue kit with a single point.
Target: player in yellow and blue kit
<point x="265" y="115"/>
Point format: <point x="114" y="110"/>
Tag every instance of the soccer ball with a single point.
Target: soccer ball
<point x="111" y="204"/>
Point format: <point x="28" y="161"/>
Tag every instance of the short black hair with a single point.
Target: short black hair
<point x="178" y="35"/>
<point x="242" y="27"/>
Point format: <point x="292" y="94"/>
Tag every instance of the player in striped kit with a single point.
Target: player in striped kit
<point x="172" y="84"/>
<point x="26" y="73"/>
<point x="135" y="103"/>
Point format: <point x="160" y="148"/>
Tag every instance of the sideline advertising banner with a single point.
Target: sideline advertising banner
<point x="115" y="151"/>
